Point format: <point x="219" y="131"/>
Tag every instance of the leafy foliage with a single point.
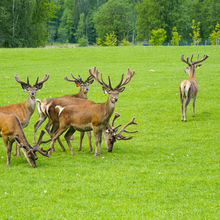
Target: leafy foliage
<point x="175" y="37"/>
<point x="83" y="42"/>
<point x="196" y="32"/>
<point x="215" y="35"/>
<point x="157" y="37"/>
<point x="110" y="39"/>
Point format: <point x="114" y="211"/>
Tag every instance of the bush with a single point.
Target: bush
<point x="158" y="37"/>
<point x="125" y="43"/>
<point x="83" y="42"/>
<point x="110" y="39"/>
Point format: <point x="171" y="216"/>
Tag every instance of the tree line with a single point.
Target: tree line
<point x="33" y="23"/>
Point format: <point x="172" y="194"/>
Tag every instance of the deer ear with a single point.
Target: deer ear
<point x="121" y="89"/>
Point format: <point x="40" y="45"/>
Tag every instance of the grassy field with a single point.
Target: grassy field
<point x="170" y="169"/>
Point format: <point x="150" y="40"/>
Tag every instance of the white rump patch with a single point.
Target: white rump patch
<point x="60" y="109"/>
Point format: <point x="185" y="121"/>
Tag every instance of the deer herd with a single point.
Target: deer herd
<point x="72" y="113"/>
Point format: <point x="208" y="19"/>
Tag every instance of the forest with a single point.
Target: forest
<point x="35" y="23"/>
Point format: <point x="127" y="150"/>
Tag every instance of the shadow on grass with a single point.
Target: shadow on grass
<point x="203" y="116"/>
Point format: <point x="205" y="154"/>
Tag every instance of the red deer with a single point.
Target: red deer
<point x="87" y="116"/>
<point x="11" y="130"/>
<point x="112" y="134"/>
<point x="189" y="88"/>
<point x="25" y="109"/>
<point x="45" y="105"/>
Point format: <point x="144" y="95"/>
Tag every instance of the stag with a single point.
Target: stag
<point x="87" y="116"/>
<point x="45" y="105"/>
<point x="189" y="87"/>
<point x="11" y="130"/>
<point x="25" y="109"/>
<point x="112" y="134"/>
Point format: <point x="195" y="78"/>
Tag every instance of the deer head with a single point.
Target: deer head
<point x="84" y="85"/>
<point x="112" y="134"/>
<point x="107" y="88"/>
<point x="190" y="69"/>
<point x="32" y="89"/>
<point x="30" y="152"/>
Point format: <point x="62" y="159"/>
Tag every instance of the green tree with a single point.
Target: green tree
<point x="113" y="16"/>
<point x="215" y="35"/>
<point x="157" y="37"/>
<point x="80" y="32"/>
<point x="176" y="37"/>
<point x="196" y="32"/>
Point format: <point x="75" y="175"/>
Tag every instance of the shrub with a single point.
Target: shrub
<point x="125" y="43"/>
<point x="158" y="37"/>
<point x="215" y="35"/>
<point x="110" y="39"/>
<point x="83" y="42"/>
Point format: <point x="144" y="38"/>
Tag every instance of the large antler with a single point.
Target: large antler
<point x="95" y="73"/>
<point x="119" y="135"/>
<point x="196" y="62"/>
<point x="45" y="153"/>
<point x="125" y="80"/>
<point x="24" y="85"/>
<point x="199" y="61"/>
<point x="75" y="80"/>
<point x="39" y="85"/>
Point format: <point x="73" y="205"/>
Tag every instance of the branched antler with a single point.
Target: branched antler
<point x="39" y="85"/>
<point x="37" y="146"/>
<point x="75" y="80"/>
<point x="193" y="63"/>
<point x="24" y="85"/>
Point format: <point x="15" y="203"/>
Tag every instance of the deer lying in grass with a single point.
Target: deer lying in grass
<point x="111" y="133"/>
<point x="90" y="116"/>
<point x="189" y="88"/>
<point x="11" y="130"/>
<point x="25" y="109"/>
<point x="45" y="105"/>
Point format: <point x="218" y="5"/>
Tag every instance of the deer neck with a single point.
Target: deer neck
<point x="109" y="109"/>
<point x="31" y="104"/>
<point x="192" y="74"/>
<point x="82" y="95"/>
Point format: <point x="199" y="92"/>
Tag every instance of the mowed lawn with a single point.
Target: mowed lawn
<point x="170" y="169"/>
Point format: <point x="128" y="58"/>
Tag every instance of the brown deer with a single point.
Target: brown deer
<point x="45" y="104"/>
<point x="111" y="133"/>
<point x="189" y="87"/>
<point x="90" y="116"/>
<point x="25" y="109"/>
<point x="11" y="130"/>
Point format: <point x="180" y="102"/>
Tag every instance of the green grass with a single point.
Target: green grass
<point x="170" y="169"/>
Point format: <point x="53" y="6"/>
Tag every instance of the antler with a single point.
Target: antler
<point x="199" y="61"/>
<point x="185" y="61"/>
<point x="125" y="80"/>
<point x="75" y="80"/>
<point x="115" y="117"/>
<point x="193" y="63"/>
<point x="119" y="135"/>
<point x="39" y="85"/>
<point x="24" y="85"/>
<point x="95" y="73"/>
<point x="89" y="79"/>
<point x="41" y="150"/>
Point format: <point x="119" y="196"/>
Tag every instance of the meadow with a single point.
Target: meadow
<point x="170" y="169"/>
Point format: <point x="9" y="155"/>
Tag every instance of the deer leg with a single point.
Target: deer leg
<point x="80" y="142"/>
<point x="68" y="136"/>
<point x="97" y="135"/>
<point x="90" y="141"/>
<point x="8" y="146"/>
<point x="182" y="102"/>
<point x="194" y="104"/>
<point x="58" y="133"/>
<point x="186" y="104"/>
<point x="18" y="150"/>
<point x="41" y="119"/>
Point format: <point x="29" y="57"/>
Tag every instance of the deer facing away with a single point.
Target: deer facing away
<point x="189" y="87"/>
<point x="91" y="116"/>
